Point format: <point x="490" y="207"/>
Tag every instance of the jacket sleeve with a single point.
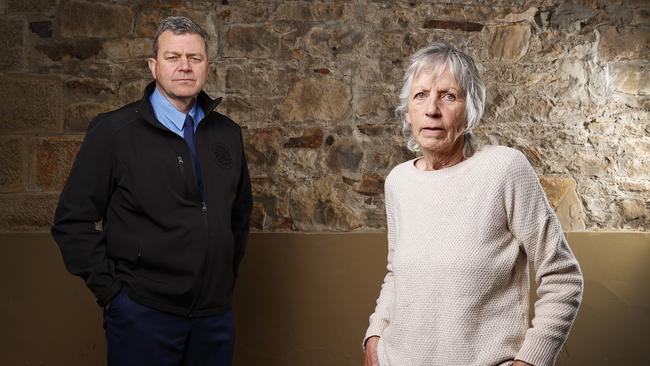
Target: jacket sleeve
<point x="557" y="273"/>
<point x="83" y="202"/>
<point x="380" y="319"/>
<point x="241" y="211"/>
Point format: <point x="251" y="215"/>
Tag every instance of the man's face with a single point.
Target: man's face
<point x="180" y="67"/>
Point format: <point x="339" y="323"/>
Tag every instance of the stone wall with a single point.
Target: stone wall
<point x="314" y="84"/>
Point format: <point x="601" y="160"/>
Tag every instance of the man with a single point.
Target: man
<point x="167" y="178"/>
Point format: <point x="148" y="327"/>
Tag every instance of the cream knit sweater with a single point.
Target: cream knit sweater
<point x="459" y="242"/>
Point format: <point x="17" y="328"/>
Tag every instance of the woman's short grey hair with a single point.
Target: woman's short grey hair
<point x="441" y="55"/>
<point x="179" y="25"/>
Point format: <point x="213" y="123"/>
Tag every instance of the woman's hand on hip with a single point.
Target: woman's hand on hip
<point x="371" y="358"/>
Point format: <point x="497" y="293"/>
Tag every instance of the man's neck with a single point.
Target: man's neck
<point x="182" y="105"/>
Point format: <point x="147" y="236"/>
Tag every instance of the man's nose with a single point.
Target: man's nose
<point x="185" y="64"/>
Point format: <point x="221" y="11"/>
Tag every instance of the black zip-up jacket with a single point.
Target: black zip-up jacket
<point x="171" y="247"/>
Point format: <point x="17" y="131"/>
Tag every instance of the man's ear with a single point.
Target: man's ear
<point x="152" y="66"/>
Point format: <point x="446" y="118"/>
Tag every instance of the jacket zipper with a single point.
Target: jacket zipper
<point x="204" y="213"/>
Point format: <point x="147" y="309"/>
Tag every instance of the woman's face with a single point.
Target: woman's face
<point x="436" y="111"/>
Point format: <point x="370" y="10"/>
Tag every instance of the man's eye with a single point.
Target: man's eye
<point x="172" y="58"/>
<point x="195" y="59"/>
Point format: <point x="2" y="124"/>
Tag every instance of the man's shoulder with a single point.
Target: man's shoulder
<point x="117" y="119"/>
<point x="222" y="121"/>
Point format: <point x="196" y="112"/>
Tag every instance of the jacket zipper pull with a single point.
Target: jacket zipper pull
<point x="204" y="207"/>
<point x="180" y="164"/>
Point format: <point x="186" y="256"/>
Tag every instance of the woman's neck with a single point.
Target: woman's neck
<point x="434" y="160"/>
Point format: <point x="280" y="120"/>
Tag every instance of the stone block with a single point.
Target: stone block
<point x="42" y="29"/>
<point x="630" y="78"/>
<point x="370" y="185"/>
<point x="569" y="15"/>
<point x="641" y="17"/>
<point x="51" y="161"/>
<point x="79" y="114"/>
<point x="510" y="42"/>
<point x="250" y="42"/>
<point x="40" y="6"/>
<point x="245" y="12"/>
<point x="624" y="44"/>
<point x="128" y="48"/>
<point x="632" y="209"/>
<point x="147" y="22"/>
<point x="452" y="25"/>
<point x="133" y="90"/>
<point x="11" y="43"/>
<point x="27" y="212"/>
<point x="381" y="157"/>
<point x="321" y="12"/>
<point x="31" y="103"/>
<point x="247" y="111"/>
<point x="325" y="205"/>
<point x="344" y="156"/>
<point x="257" y="79"/>
<point x="80" y="49"/>
<point x="13" y="164"/>
<point x="372" y="104"/>
<point x="371" y="129"/>
<point x="316" y="99"/>
<point x="94" y="19"/>
<point x="562" y="195"/>
<point x="311" y="138"/>
<point x="330" y="42"/>
<point x="262" y="148"/>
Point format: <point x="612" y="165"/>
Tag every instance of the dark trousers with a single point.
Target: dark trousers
<point x="137" y="335"/>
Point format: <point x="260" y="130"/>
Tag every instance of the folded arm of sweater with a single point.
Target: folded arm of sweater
<point x="557" y="273"/>
<point x="379" y="320"/>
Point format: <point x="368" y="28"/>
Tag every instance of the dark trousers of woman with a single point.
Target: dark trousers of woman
<point x="137" y="335"/>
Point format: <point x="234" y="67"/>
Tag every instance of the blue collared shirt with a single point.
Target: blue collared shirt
<point x="170" y="117"/>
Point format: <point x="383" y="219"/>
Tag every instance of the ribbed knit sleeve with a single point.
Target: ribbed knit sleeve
<point x="380" y="319"/>
<point x="559" y="279"/>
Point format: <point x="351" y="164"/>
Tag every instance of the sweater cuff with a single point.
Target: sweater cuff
<point x="376" y="328"/>
<point x="538" y="351"/>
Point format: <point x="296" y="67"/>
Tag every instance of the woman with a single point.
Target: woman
<point x="463" y="223"/>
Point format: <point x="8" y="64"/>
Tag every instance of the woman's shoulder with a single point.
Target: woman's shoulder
<point x="501" y="152"/>
<point x="398" y="171"/>
<point x="501" y="155"/>
<point x="504" y="159"/>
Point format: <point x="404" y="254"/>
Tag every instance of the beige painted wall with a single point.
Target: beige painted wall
<point x="304" y="299"/>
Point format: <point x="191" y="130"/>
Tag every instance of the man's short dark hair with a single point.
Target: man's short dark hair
<point x="179" y="25"/>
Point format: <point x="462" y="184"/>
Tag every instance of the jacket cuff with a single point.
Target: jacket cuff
<point x="538" y="351"/>
<point x="105" y="297"/>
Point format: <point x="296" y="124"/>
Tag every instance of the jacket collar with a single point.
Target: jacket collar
<point x="146" y="110"/>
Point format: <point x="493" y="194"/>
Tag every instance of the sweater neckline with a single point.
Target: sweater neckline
<point x="453" y="170"/>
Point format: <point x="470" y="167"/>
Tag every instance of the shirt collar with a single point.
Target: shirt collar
<point x="168" y="115"/>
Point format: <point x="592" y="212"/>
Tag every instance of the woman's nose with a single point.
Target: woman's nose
<point x="432" y="109"/>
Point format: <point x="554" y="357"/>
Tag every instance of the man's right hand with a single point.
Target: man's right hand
<point x="371" y="358"/>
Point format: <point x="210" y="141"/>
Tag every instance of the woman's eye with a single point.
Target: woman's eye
<point x="449" y="96"/>
<point x="420" y="95"/>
